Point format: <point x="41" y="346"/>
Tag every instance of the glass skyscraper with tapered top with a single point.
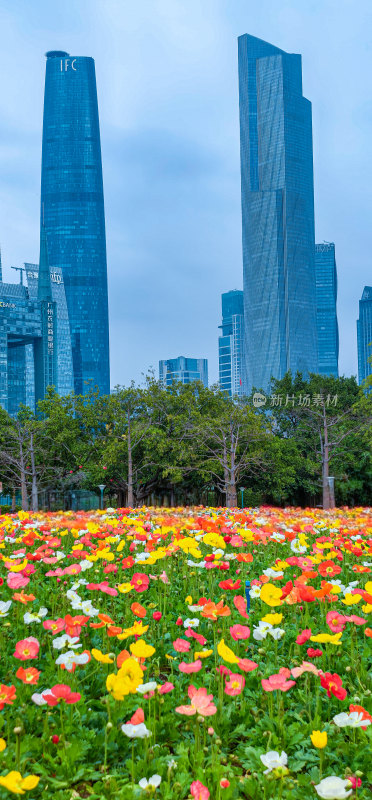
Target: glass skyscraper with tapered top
<point x="326" y="308"/>
<point x="277" y="192"/>
<point x="72" y="210"/>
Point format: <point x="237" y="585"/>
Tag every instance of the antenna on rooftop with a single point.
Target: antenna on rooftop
<point x="21" y="270"/>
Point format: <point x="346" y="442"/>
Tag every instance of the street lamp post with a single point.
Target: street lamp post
<point x="102" y="487"/>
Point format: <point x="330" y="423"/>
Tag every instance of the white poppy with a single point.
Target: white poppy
<point x="28" y="617"/>
<point x="333" y="788"/>
<point x="143" y="688"/>
<point x="70" y="658"/>
<point x="272" y="760"/>
<point x="136" y="731"/>
<point x="191" y="623"/>
<point x="4" y="608"/>
<point x="352" y="719"/>
<point x="62" y="641"/>
<point x="151" y="783"/>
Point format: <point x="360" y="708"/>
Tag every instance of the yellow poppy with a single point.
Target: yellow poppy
<point x="141" y="649"/>
<point x="226" y="653"/>
<point x="319" y="739"/>
<point x="270" y="594"/>
<point x="102" y="658"/>
<point x="334" y="638"/>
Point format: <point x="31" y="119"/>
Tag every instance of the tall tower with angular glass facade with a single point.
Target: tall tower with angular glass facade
<point x="364" y="333"/>
<point x="326" y="308"/>
<point x="72" y="210"/>
<point x="277" y="215"/>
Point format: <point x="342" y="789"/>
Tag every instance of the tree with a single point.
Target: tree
<point x="326" y="416"/>
<point x="229" y="440"/>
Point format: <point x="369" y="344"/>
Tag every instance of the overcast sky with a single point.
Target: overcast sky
<point x="168" y="99"/>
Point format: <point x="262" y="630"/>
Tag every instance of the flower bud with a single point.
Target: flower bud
<point x="17" y="730"/>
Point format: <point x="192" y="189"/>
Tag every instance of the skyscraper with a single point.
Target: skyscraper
<point x="72" y="210"/>
<point x="185" y="370"/>
<point x="230" y="343"/>
<point x="364" y="332"/>
<point x="326" y="308"/>
<point x="277" y="215"/>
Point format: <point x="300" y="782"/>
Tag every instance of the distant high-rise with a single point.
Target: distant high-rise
<point x="72" y="211"/>
<point x="277" y="215"/>
<point x="326" y="308"/>
<point x="230" y="343"/>
<point x="185" y="370"/>
<point x="364" y="332"/>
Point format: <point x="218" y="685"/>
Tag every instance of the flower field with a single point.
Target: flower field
<point x="186" y="653"/>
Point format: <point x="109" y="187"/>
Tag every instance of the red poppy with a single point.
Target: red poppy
<point x="28" y="674"/>
<point x="333" y="684"/>
<point x="328" y="569"/>
<point x="140" y="581"/>
<point x="7" y="695"/>
<point x="61" y="692"/>
<point x="230" y="584"/>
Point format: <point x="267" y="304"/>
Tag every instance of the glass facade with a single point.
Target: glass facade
<point x="185" y="370"/>
<point x="326" y="308"/>
<point x="364" y="332"/>
<point x="277" y="215"/>
<point x="20" y="328"/>
<point x="72" y="210"/>
<point x="230" y="343"/>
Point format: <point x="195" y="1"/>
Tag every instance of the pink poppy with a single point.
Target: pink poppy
<point x="197" y="636"/>
<point x="356" y="620"/>
<point x="278" y="681"/>
<point x="140" y="581"/>
<point x="181" y="646"/>
<point x="72" y="569"/>
<point x="246" y="665"/>
<point x="195" y="666"/>
<point x="103" y="587"/>
<point x="54" y="625"/>
<point x="240" y="604"/>
<point x="201" y="703"/>
<point x="199" y="791"/>
<point x="306" y="666"/>
<point x="16" y="581"/>
<point x="27" y="648"/>
<point x="55" y="573"/>
<point x="235" y="684"/>
<point x="240" y="632"/>
<point x="166" y="687"/>
<point x="303" y="636"/>
<point x="335" y="621"/>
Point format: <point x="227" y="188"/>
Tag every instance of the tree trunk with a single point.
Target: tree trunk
<point x="23" y="481"/>
<point x="34" y="494"/>
<point x="325" y="464"/>
<point x="13" y="500"/>
<point x="130" y="503"/>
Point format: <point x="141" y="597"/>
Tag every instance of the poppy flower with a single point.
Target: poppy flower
<point x="27" y="648"/>
<point x="138" y="610"/>
<point x="328" y="569"/>
<point x="194" y="666"/>
<point x="333" y="685"/>
<point x="199" y="791"/>
<point x="201" y="703"/>
<point x="239" y="632"/>
<point x="7" y="695"/>
<point x="278" y="682"/>
<point x="240" y="604"/>
<point x="61" y="692"/>
<point x="235" y="684"/>
<point x="140" y="581"/>
<point x="181" y="646"/>
<point x="28" y="674"/>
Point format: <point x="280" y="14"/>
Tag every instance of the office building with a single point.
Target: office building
<point x="277" y="193"/>
<point x="364" y="334"/>
<point x="230" y="343"/>
<point x="72" y="210"/>
<point x="326" y="308"/>
<point x="35" y="346"/>
<point x="183" y="370"/>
